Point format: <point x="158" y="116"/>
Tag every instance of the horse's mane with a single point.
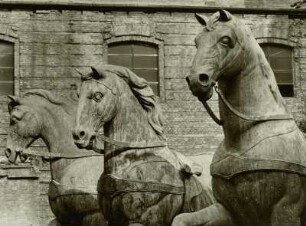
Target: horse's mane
<point x="65" y="103"/>
<point x="140" y="88"/>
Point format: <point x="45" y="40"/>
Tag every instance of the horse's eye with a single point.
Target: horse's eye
<point x="97" y="96"/>
<point x="226" y="40"/>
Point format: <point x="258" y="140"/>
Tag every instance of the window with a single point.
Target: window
<point x="280" y="59"/>
<point x="6" y="68"/>
<point x="140" y="57"/>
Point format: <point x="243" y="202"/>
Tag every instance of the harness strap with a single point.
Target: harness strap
<point x="239" y="114"/>
<point x="56" y="155"/>
<point x="136" y="145"/>
<point x="212" y="114"/>
<point x="251" y="117"/>
<point x="123" y="146"/>
<point x="113" y="186"/>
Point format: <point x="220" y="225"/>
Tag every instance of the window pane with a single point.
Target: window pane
<point x="6" y="47"/>
<point x="6" y="60"/>
<point x="155" y="88"/>
<point x="149" y="75"/>
<point x="144" y="49"/>
<point x="280" y="59"/>
<point x="283" y="77"/>
<point x="6" y="88"/>
<point x="121" y="60"/>
<point x="145" y="62"/>
<point x="281" y="63"/>
<point x="286" y="90"/>
<point x="120" y="49"/>
<point x="6" y="74"/>
<point x="142" y="58"/>
<point x="278" y="51"/>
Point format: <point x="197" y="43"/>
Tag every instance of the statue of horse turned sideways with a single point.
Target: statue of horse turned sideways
<point x="258" y="171"/>
<point x="143" y="182"/>
<point x="72" y="191"/>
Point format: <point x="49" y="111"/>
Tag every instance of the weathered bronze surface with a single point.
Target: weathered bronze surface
<point x="259" y="169"/>
<point x="144" y="183"/>
<point x="72" y="191"/>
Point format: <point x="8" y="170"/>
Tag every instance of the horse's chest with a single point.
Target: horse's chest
<point x="283" y="152"/>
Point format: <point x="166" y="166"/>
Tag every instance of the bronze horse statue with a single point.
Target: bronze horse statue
<point x="72" y="191"/>
<point x="143" y="181"/>
<point x="258" y="171"/>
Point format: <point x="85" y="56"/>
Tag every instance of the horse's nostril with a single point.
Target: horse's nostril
<point x="82" y="133"/>
<point x="188" y="80"/>
<point x="204" y="78"/>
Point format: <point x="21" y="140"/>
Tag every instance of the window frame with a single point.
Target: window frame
<point x="147" y="40"/>
<point x="14" y="40"/>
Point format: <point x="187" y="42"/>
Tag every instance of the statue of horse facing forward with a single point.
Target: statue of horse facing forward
<point x="143" y="182"/>
<point x="72" y="191"/>
<point x="258" y="171"/>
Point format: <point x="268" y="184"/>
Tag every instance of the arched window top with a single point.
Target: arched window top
<point x="280" y="58"/>
<point x="141" y="57"/>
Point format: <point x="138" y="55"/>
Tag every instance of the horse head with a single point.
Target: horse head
<point x="111" y="93"/>
<point x="219" y="52"/>
<point x="25" y="126"/>
<point x="98" y="103"/>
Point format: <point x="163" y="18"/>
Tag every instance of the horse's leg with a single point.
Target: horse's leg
<point x="288" y="210"/>
<point x="94" y="219"/>
<point x="215" y="214"/>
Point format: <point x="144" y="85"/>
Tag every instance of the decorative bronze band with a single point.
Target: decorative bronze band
<point x="113" y="186"/>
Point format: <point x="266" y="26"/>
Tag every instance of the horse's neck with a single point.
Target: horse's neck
<point x="253" y="92"/>
<point x="57" y="135"/>
<point x="131" y="124"/>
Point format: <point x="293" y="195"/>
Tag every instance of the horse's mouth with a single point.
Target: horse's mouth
<point x="201" y="93"/>
<point x="89" y="144"/>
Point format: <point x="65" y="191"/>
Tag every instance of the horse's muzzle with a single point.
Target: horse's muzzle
<point x="201" y="86"/>
<point x="83" y="139"/>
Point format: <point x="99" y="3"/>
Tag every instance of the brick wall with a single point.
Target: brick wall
<point x="51" y="43"/>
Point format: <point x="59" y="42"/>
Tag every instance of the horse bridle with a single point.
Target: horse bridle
<point x="49" y="156"/>
<point x="239" y="114"/>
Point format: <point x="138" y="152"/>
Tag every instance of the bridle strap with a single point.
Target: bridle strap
<point x="239" y="114"/>
<point x="212" y="114"/>
<point x="251" y="117"/>
<point x="123" y="146"/>
<point x="135" y="145"/>
<point x="57" y="155"/>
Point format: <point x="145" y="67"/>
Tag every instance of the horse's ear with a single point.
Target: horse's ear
<point x="201" y="19"/>
<point x="96" y="74"/>
<point x="224" y="15"/>
<point x="14" y="101"/>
